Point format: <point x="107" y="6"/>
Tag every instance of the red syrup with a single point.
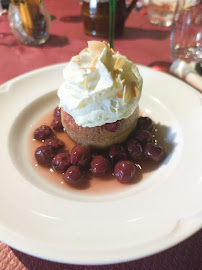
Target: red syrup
<point x="93" y="185"/>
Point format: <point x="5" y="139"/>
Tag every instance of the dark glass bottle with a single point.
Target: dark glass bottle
<point x="5" y="3"/>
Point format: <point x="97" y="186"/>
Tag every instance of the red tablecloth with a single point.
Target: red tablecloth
<point x="144" y="44"/>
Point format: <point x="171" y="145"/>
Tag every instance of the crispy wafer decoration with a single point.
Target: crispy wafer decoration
<point x="120" y="61"/>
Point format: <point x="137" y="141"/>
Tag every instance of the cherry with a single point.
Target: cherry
<point x="43" y="157"/>
<point x="53" y="145"/>
<point x="125" y="171"/>
<point x="73" y="166"/>
<point x="100" y="166"/>
<point x="143" y="136"/>
<point x="111" y="127"/>
<point x="117" y="152"/>
<point x="57" y="112"/>
<point x="154" y="152"/>
<point x="80" y="155"/>
<point x="144" y="123"/>
<point x="134" y="149"/>
<point x="73" y="176"/>
<point x="57" y="125"/>
<point x="61" y="162"/>
<point x="43" y="132"/>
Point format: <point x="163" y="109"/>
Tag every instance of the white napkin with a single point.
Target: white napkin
<point x="186" y="71"/>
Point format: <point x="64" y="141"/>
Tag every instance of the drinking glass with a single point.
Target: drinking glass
<point x="161" y="12"/>
<point x="29" y="21"/>
<point x="1" y="9"/>
<point x="186" y="33"/>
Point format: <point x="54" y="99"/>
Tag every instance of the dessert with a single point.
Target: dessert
<point x="100" y="95"/>
<point x="99" y="111"/>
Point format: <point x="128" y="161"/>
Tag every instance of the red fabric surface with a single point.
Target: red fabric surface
<point x="144" y="44"/>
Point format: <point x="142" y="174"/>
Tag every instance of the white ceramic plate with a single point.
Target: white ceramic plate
<point x="60" y="225"/>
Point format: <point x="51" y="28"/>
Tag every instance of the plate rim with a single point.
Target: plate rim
<point x="176" y="241"/>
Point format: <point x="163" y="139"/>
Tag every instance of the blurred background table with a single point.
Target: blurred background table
<point x="144" y="44"/>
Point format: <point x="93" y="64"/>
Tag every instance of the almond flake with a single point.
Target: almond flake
<point x="135" y="91"/>
<point x="96" y="47"/>
<point x="109" y="50"/>
<point x="86" y="83"/>
<point x="127" y="92"/>
<point x="119" y="94"/>
<point x="106" y="44"/>
<point x="120" y="61"/>
<point x="92" y="68"/>
<point x="84" y="50"/>
<point x="75" y="58"/>
<point x="112" y="51"/>
<point x="94" y="61"/>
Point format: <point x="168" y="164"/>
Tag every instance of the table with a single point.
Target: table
<point x="144" y="44"/>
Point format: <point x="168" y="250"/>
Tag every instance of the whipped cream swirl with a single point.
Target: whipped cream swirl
<point x="100" y="86"/>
